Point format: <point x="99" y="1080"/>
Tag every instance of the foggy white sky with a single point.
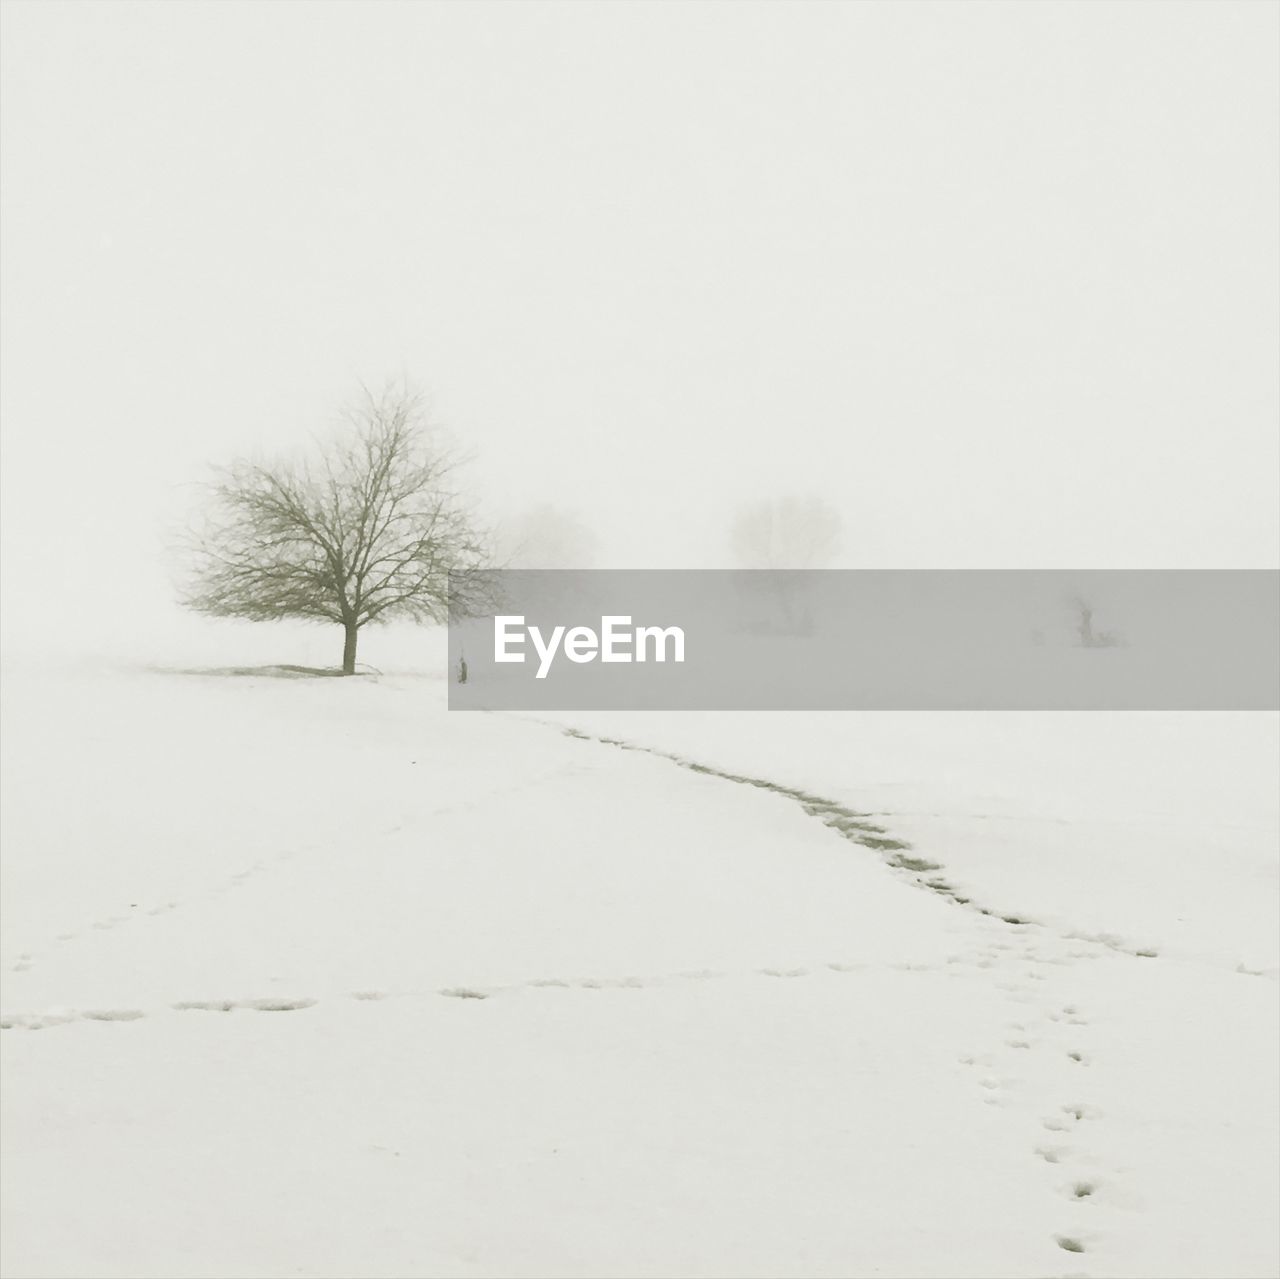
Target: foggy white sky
<point x="998" y="280"/>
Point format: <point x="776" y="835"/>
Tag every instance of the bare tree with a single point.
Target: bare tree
<point x="788" y="532"/>
<point x="545" y="537"/>
<point x="366" y="531"/>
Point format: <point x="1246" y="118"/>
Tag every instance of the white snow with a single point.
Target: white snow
<point x="309" y="977"/>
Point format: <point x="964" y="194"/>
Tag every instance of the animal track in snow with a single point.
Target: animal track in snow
<point x="1070" y="1015"/>
<point x="858" y="828"/>
<point x="278" y="1004"/>
<point x="1053" y="1154"/>
<point x="271" y="1004"/>
<point x="851" y="824"/>
<point x="1068" y="1116"/>
<point x="36" y="1021"/>
<point x="1037" y="966"/>
<point x="1082" y="1112"/>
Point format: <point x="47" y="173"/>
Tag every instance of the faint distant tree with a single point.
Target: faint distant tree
<point x="364" y="531"/>
<point x="787" y="532"/>
<point x="545" y="537"/>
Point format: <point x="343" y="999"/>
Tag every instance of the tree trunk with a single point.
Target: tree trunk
<point x="1086" y="626"/>
<point x="349" y="648"/>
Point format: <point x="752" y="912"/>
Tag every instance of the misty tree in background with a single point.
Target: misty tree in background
<point x="546" y="537"/>
<point x="364" y="531"/>
<point x="787" y="532"/>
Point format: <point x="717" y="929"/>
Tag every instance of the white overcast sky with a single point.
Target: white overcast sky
<point x="1000" y="280"/>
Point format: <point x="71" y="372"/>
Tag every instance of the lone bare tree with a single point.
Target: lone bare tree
<point x="365" y="531"/>
<point x="545" y="537"/>
<point x="788" y="532"/>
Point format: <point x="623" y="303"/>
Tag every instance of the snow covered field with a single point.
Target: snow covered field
<point x="329" y="982"/>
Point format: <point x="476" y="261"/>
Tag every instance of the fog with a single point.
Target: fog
<point x="998" y="283"/>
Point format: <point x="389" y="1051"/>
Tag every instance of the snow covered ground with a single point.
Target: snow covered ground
<point x="330" y="982"/>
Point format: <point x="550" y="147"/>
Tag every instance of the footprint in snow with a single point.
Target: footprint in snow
<point x="270" y="1005"/>
<point x="1070" y="1014"/>
<point x="1052" y="1154"/>
<point x="1078" y="1111"/>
